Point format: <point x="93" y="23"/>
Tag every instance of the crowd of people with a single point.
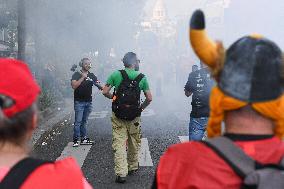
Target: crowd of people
<point x="247" y="97"/>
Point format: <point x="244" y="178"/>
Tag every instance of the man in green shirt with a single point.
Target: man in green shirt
<point x="126" y="129"/>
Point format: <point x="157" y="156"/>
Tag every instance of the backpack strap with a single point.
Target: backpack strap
<point x="232" y="155"/>
<point x="124" y="75"/>
<point x="124" y="78"/>
<point x="139" y="77"/>
<point x="20" y="172"/>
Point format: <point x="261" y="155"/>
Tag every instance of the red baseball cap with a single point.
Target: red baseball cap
<point x="18" y="85"/>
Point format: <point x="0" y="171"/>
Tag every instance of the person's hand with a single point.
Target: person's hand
<point x="84" y="75"/>
<point x="140" y="110"/>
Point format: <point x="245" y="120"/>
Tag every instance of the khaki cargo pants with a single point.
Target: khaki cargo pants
<point x="123" y="131"/>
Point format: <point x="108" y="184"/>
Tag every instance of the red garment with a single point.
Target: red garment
<point x="60" y="175"/>
<point x="193" y="165"/>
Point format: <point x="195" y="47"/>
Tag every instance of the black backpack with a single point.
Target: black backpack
<point x="126" y="104"/>
<point x="20" y="172"/>
<point x="254" y="174"/>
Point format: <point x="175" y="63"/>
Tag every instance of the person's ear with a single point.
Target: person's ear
<point x="32" y="127"/>
<point x="34" y="121"/>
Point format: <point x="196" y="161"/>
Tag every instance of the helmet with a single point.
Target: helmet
<point x="248" y="70"/>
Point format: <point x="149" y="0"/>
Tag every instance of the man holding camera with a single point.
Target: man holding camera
<point x="82" y="82"/>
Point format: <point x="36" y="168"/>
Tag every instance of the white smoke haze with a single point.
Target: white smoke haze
<point x="61" y="32"/>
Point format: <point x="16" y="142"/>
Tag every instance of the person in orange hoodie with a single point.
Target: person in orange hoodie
<point x="18" y="120"/>
<point x="248" y="98"/>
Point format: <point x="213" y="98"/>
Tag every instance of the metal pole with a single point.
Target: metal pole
<point x="21" y="30"/>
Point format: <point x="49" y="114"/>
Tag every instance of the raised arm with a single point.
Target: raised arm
<point x="76" y="83"/>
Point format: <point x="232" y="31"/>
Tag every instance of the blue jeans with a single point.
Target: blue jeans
<point x="82" y="112"/>
<point x="197" y="127"/>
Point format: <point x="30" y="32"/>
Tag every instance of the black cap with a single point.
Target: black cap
<point x="129" y="58"/>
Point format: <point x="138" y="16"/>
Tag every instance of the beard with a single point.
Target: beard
<point x="136" y="68"/>
<point x="86" y="68"/>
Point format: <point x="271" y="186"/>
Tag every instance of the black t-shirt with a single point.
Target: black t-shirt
<point x="200" y="84"/>
<point x="84" y="92"/>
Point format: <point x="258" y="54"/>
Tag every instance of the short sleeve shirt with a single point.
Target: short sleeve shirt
<point x="115" y="79"/>
<point x="84" y="92"/>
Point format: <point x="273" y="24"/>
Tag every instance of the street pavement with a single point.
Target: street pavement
<point x="164" y="122"/>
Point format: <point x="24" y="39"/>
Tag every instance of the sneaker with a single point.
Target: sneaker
<point x="75" y="143"/>
<point x="120" y="179"/>
<point x="86" y="141"/>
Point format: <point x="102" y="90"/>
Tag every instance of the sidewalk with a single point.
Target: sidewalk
<point x="51" y="117"/>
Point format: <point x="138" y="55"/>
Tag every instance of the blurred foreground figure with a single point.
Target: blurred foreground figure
<point x="18" y="120"/>
<point x="199" y="85"/>
<point x="126" y="112"/>
<point x="249" y="98"/>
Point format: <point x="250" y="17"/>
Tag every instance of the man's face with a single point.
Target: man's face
<point x="194" y="68"/>
<point x="86" y="65"/>
<point x="137" y="65"/>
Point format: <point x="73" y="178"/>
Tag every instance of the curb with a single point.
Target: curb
<point x="50" y="118"/>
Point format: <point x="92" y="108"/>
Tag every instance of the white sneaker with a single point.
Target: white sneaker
<point x="75" y="143"/>
<point x="86" y="141"/>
